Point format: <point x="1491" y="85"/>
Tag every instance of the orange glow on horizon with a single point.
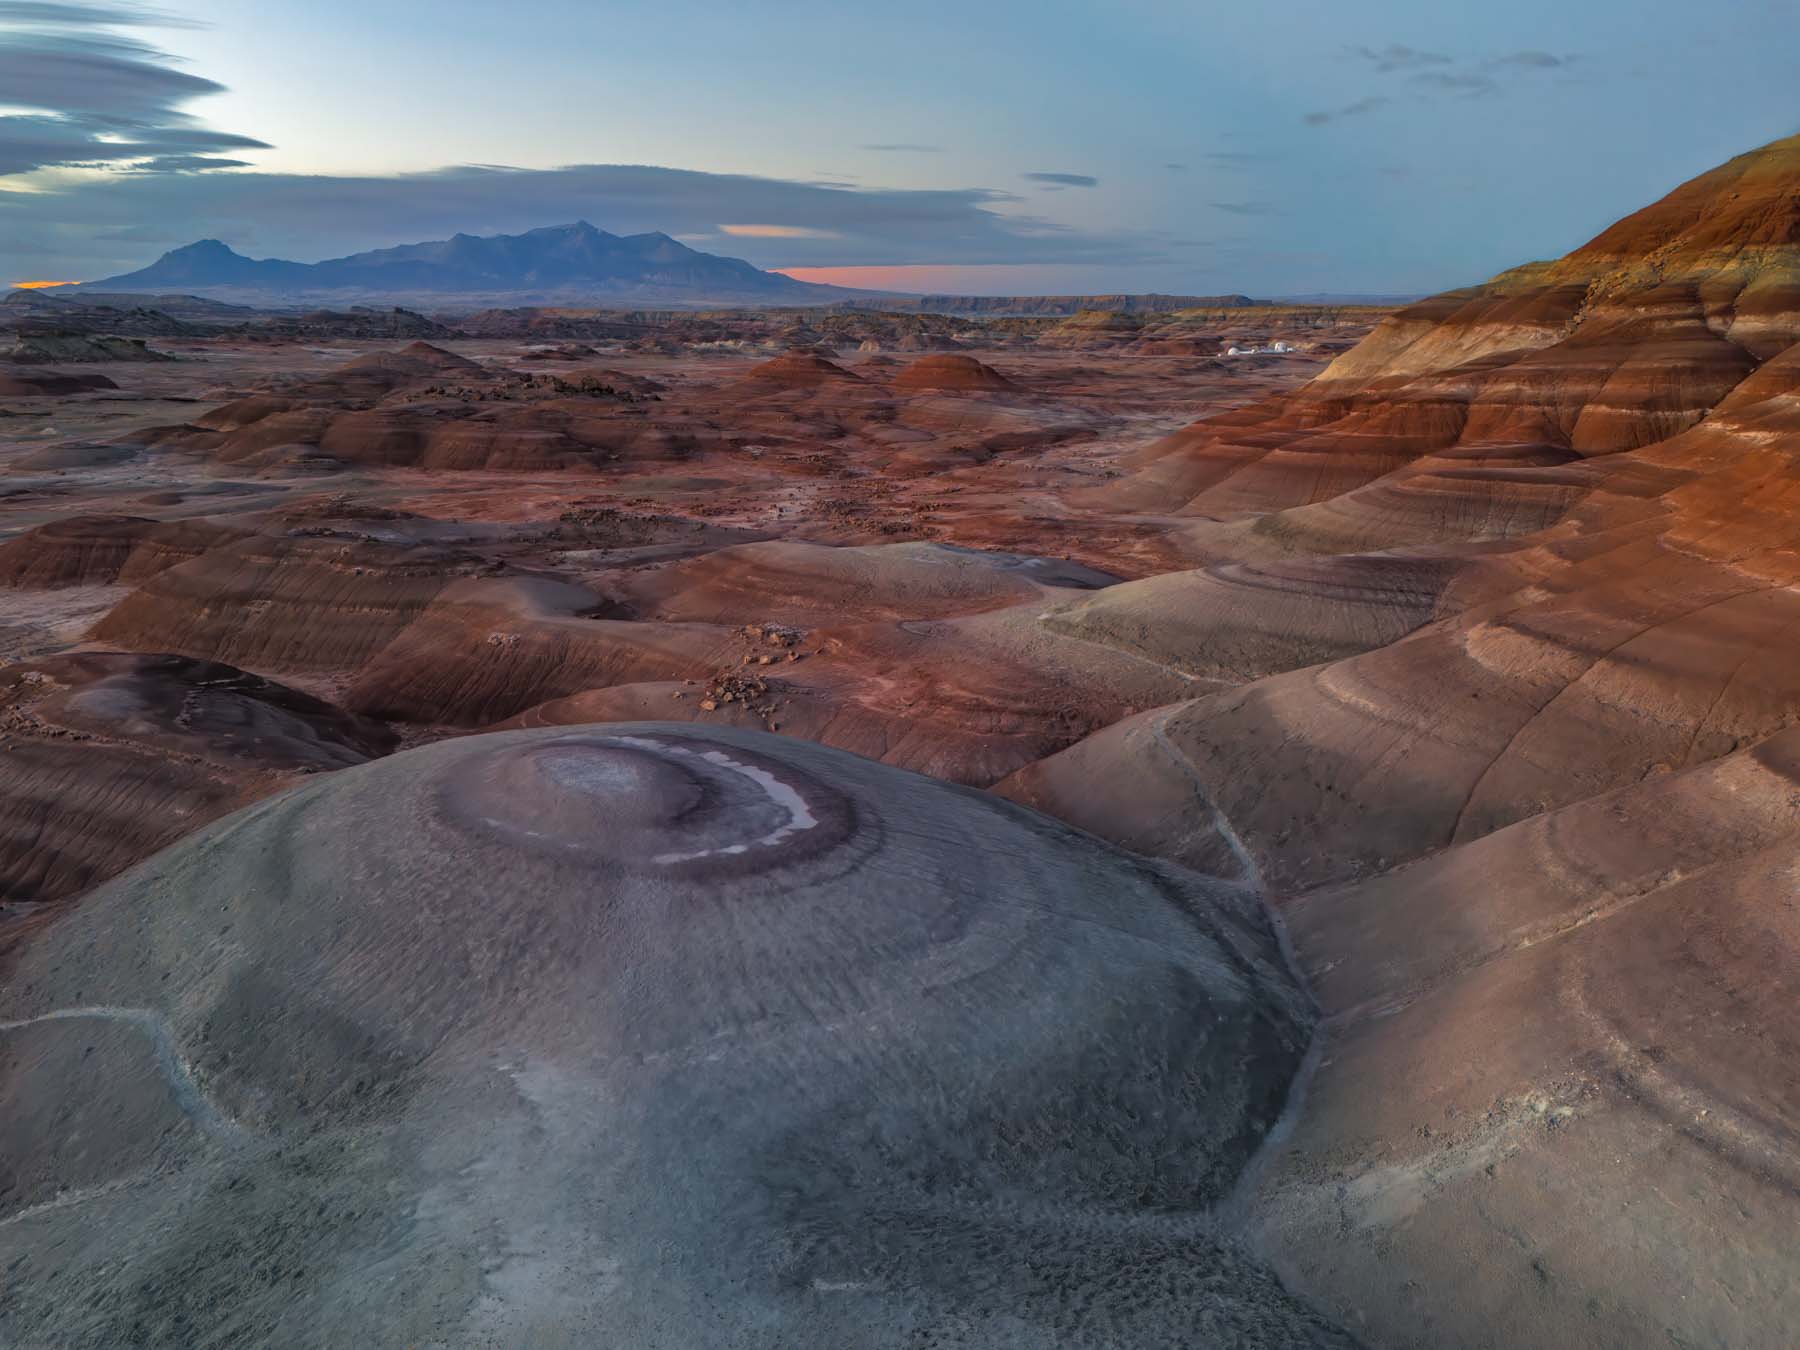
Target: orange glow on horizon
<point x="942" y="278"/>
<point x="41" y="285"/>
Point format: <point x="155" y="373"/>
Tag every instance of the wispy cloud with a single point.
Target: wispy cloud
<point x="1356" y="109"/>
<point x="1439" y="73"/>
<point x="186" y="164"/>
<point x="1466" y="84"/>
<point x="1397" y="56"/>
<point x="1533" y="60"/>
<point x="87" y="94"/>
<point x="1248" y="208"/>
<point x="79" y="15"/>
<point x="1080" y="180"/>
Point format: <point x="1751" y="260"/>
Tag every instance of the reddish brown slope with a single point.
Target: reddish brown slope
<point x="951" y="372"/>
<point x="1628" y="340"/>
<point x="1557" y="1101"/>
<point x="100" y="550"/>
<point x="107" y="756"/>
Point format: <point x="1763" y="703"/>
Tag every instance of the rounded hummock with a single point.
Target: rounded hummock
<point x="651" y="1035"/>
<point x="951" y="371"/>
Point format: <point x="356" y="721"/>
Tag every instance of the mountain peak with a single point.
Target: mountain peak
<point x="204" y="248"/>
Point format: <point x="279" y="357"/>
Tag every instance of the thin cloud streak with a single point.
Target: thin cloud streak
<point x="1437" y="73"/>
<point x="1533" y="60"/>
<point x="1356" y="109"/>
<point x="304" y="217"/>
<point x="90" y="95"/>
<point x="54" y="15"/>
<point x="1396" y="56"/>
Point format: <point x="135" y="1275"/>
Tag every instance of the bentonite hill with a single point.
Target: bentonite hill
<point x="855" y="827"/>
<point x="645" y="1034"/>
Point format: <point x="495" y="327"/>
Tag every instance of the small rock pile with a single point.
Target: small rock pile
<point x="743" y="684"/>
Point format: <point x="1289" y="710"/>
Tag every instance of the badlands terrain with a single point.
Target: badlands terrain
<point x="543" y="827"/>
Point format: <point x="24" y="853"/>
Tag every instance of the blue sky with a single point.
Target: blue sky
<point x="1272" y="148"/>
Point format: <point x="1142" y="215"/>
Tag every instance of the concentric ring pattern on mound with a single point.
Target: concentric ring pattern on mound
<point x="649" y="1035"/>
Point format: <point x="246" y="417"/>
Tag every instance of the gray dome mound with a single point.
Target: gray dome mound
<point x="640" y="1036"/>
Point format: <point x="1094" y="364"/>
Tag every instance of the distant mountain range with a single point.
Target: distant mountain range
<point x="563" y="265"/>
<point x="561" y="262"/>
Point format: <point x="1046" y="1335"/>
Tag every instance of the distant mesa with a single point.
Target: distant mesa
<point x="109" y="318"/>
<point x="28" y="383"/>
<point x="362" y="321"/>
<point x="911" y="342"/>
<point x="54" y="348"/>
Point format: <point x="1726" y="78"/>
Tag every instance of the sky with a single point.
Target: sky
<point x="1391" y="147"/>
